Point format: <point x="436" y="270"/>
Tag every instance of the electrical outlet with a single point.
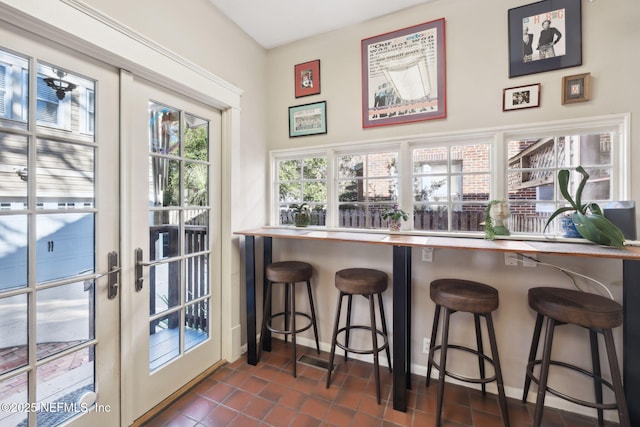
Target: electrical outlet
<point x="425" y="345"/>
<point x="427" y="254"/>
<point x="510" y="258"/>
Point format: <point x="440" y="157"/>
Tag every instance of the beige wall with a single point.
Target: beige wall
<point x="477" y="72"/>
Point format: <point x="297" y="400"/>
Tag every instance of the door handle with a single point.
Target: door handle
<point x="112" y="275"/>
<point x="140" y="263"/>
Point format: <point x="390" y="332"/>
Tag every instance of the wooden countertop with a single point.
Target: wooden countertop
<point x="466" y="243"/>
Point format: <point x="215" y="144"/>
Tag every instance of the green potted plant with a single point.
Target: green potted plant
<point x="395" y="216"/>
<point x="301" y="214"/>
<point x="587" y="217"/>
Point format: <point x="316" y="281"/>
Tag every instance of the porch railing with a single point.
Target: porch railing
<point x="425" y="220"/>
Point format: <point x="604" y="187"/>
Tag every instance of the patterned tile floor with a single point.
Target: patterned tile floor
<point x="242" y="395"/>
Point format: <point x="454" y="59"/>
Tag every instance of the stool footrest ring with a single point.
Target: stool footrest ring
<point x="572" y="399"/>
<point x="458" y="376"/>
<point x="384" y="345"/>
<point x="289" y="331"/>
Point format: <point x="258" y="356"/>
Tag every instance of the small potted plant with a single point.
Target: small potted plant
<point x="588" y="218"/>
<point x="395" y="216"/>
<point x="301" y="214"/>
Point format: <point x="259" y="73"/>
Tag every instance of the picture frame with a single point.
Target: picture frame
<point x="576" y="88"/>
<point x="536" y="47"/>
<point x="521" y="97"/>
<point x="403" y="75"/>
<point x="307" y="78"/>
<point x="308" y="119"/>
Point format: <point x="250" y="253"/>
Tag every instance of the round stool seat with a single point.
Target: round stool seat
<point x="464" y="295"/>
<point x="576" y="307"/>
<point x="289" y="272"/>
<point x="361" y="281"/>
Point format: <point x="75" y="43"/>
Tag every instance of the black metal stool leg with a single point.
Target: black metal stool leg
<point x="374" y="339"/>
<point x="532" y="355"/>
<point x="432" y="343"/>
<point x="544" y="372"/>
<point x="384" y="329"/>
<point x="287" y="310"/>
<point x="496" y="363"/>
<point x="443" y="366"/>
<point x="623" y="412"/>
<point x="313" y="315"/>
<point x="334" y="337"/>
<point x="293" y="326"/>
<point x="346" y="334"/>
<point x="476" y="321"/>
<point x="597" y="374"/>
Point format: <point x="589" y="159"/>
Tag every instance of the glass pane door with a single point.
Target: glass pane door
<point x="178" y="233"/>
<point x="53" y="172"/>
<point x="172" y="332"/>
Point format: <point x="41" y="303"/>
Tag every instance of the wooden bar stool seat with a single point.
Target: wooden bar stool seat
<point x="369" y="283"/>
<point x="288" y="273"/>
<point x="593" y="312"/>
<point x="455" y="295"/>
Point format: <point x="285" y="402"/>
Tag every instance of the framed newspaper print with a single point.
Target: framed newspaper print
<point x="545" y="36"/>
<point x="403" y="75"/>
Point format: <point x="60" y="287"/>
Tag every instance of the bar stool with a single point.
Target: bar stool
<point x="593" y="312"/>
<point x="368" y="283"/>
<point x="455" y="295"/>
<point x="288" y="273"/>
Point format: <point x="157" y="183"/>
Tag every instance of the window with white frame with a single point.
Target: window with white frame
<point x="451" y="186"/>
<point x="367" y="186"/>
<point x="533" y="165"/>
<point x="447" y="184"/>
<point x="301" y="180"/>
<point x="75" y="112"/>
<point x="13" y="84"/>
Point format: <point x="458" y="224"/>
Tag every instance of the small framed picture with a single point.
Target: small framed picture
<point x="576" y="88"/>
<point x="308" y="119"/>
<point x="307" y="78"/>
<point x="521" y="97"/>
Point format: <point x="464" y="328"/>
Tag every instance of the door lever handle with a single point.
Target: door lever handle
<point x="112" y="279"/>
<point x="140" y="263"/>
<point x="112" y="274"/>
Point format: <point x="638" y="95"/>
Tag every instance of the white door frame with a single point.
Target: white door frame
<point x="81" y="27"/>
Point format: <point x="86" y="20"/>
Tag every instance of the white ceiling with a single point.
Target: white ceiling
<point x="277" y="22"/>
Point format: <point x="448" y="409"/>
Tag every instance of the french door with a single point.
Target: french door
<point x="171" y="327"/>
<point x="59" y="236"/>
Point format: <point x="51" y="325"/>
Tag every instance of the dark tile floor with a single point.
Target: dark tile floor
<point x="242" y="395"/>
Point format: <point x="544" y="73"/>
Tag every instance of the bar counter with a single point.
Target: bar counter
<point x="403" y="243"/>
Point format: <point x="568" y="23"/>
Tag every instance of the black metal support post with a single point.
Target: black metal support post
<point x="631" y="338"/>
<point x="401" y="325"/>
<point x="250" y="276"/>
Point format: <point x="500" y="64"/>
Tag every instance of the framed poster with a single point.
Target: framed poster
<point x="518" y="98"/>
<point x="576" y="88"/>
<point x="307" y="78"/>
<point x="545" y="36"/>
<point x="308" y="119"/>
<point x="403" y="75"/>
